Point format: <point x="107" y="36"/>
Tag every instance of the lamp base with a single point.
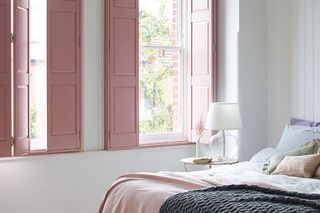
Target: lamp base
<point x="212" y="139"/>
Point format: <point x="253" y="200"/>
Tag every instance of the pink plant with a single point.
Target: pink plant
<point x="200" y="127"/>
<point x="200" y="130"/>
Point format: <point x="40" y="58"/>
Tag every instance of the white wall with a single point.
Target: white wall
<point x="76" y="182"/>
<point x="252" y="76"/>
<point x="242" y="62"/>
<point x="227" y="70"/>
<point x="93" y="74"/>
<point x="293" y="63"/>
<point x="279" y="75"/>
<point x="227" y="66"/>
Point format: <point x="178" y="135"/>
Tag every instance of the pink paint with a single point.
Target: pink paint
<point x="5" y="79"/>
<point x="201" y="60"/>
<point x="21" y="72"/>
<point x="64" y="76"/>
<point x="121" y="74"/>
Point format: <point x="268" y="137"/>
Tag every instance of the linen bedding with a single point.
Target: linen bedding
<point x="147" y="192"/>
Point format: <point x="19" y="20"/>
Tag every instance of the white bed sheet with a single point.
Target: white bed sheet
<point x="250" y="171"/>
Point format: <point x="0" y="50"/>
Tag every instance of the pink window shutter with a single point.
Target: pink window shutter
<point x="5" y="79"/>
<point x="21" y="74"/>
<point x="64" y="76"/>
<point x="201" y="60"/>
<point x="121" y="74"/>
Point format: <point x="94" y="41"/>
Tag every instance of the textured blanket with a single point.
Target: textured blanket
<point x="241" y="198"/>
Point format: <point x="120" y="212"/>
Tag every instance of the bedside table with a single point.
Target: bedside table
<point x="189" y="161"/>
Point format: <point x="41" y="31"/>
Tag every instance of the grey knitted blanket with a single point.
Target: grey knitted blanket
<point x="241" y="198"/>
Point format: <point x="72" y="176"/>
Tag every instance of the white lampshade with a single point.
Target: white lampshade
<point x="223" y="116"/>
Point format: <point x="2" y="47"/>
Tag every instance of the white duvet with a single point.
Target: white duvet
<point x="250" y="171"/>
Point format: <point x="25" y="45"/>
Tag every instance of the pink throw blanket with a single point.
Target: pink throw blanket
<point x="146" y="192"/>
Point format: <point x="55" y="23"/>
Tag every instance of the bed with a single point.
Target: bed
<point x="190" y="192"/>
<point x="146" y="192"/>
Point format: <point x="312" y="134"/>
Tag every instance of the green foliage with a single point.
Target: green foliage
<point x="33" y="122"/>
<point x="154" y="80"/>
<point x="156" y="71"/>
<point x="155" y="28"/>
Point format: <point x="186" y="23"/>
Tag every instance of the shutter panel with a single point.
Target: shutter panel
<point x="21" y="74"/>
<point x="64" y="75"/>
<point x="122" y="73"/>
<point x="5" y="78"/>
<point x="201" y="61"/>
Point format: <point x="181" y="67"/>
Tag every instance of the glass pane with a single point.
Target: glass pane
<point x="158" y="22"/>
<point x="38" y="74"/>
<point x="159" y="98"/>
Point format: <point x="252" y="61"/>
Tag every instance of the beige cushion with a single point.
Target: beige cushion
<point x="317" y="173"/>
<point x="274" y="160"/>
<point x="299" y="166"/>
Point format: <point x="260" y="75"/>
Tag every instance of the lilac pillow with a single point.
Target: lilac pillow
<point x="302" y="122"/>
<point x="315" y="125"/>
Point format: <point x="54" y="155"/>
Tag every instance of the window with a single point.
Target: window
<point x="161" y="70"/>
<point x="158" y="82"/>
<point x="40" y="76"/>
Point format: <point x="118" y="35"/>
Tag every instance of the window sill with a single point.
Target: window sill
<point x="160" y="144"/>
<point x="154" y="145"/>
<point x="45" y="152"/>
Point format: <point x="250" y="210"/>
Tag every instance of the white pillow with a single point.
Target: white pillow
<point x="295" y="136"/>
<point x="264" y="154"/>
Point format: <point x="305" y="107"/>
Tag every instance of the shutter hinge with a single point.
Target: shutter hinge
<point x="11" y="38"/>
<point x="12" y="141"/>
<point x="109" y="134"/>
<point x="28" y="78"/>
<point x="79" y="41"/>
<point x="109" y="45"/>
<point x="79" y="134"/>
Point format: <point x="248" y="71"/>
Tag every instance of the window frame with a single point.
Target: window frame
<point x="208" y="13"/>
<point x="181" y="47"/>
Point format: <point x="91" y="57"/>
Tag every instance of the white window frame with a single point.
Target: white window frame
<point x="182" y="45"/>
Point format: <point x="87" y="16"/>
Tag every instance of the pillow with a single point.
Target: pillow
<point x="275" y="159"/>
<point x="317" y="173"/>
<point x="301" y="122"/>
<point x="295" y="136"/>
<point x="264" y="154"/>
<point x="299" y="166"/>
<point x="307" y="123"/>
<point x="316" y="142"/>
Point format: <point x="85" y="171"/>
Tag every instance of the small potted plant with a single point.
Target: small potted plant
<point x="200" y="131"/>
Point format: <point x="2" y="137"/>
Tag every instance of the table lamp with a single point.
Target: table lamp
<point x="223" y="116"/>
